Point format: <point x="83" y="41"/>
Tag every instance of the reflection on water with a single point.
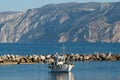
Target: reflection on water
<point x="61" y="76"/>
<point x="81" y="71"/>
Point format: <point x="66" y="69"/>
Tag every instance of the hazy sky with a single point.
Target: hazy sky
<point x="21" y="5"/>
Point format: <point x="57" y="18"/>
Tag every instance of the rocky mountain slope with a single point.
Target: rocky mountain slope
<point x="79" y="22"/>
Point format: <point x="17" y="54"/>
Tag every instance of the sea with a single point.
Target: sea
<point x="94" y="70"/>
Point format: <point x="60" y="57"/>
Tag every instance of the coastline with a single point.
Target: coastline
<point x="47" y="59"/>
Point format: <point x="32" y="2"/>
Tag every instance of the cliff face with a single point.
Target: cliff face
<point x="79" y="22"/>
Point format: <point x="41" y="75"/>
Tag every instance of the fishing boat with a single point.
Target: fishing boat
<point x="60" y="64"/>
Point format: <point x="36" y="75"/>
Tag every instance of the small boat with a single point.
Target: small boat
<point x="60" y="64"/>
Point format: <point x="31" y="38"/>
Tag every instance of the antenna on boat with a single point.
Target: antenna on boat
<point x="63" y="46"/>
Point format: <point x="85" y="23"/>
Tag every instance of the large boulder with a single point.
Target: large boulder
<point x="23" y="60"/>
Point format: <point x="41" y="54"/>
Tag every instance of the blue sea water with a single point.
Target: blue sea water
<point x="81" y="70"/>
<point x="51" y="48"/>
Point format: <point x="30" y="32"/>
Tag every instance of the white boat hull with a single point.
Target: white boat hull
<point x="66" y="68"/>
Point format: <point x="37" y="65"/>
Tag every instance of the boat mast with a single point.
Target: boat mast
<point x="63" y="46"/>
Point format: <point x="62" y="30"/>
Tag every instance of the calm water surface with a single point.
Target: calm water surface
<point x="81" y="71"/>
<point x="51" y="48"/>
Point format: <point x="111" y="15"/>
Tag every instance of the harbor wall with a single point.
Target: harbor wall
<point x="28" y="59"/>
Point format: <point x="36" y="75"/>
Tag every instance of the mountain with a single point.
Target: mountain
<point x="79" y="22"/>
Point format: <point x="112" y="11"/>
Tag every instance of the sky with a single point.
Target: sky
<point x="23" y="5"/>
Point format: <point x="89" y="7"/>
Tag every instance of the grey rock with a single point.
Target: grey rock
<point x="118" y="57"/>
<point x="80" y="22"/>
<point x="23" y="60"/>
<point x="48" y="61"/>
<point x="9" y="59"/>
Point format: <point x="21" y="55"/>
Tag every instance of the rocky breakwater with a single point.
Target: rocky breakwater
<point x="29" y="59"/>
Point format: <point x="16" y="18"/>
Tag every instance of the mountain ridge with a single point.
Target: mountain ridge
<point x="79" y="22"/>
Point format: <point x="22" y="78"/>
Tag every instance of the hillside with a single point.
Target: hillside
<point x="79" y="22"/>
